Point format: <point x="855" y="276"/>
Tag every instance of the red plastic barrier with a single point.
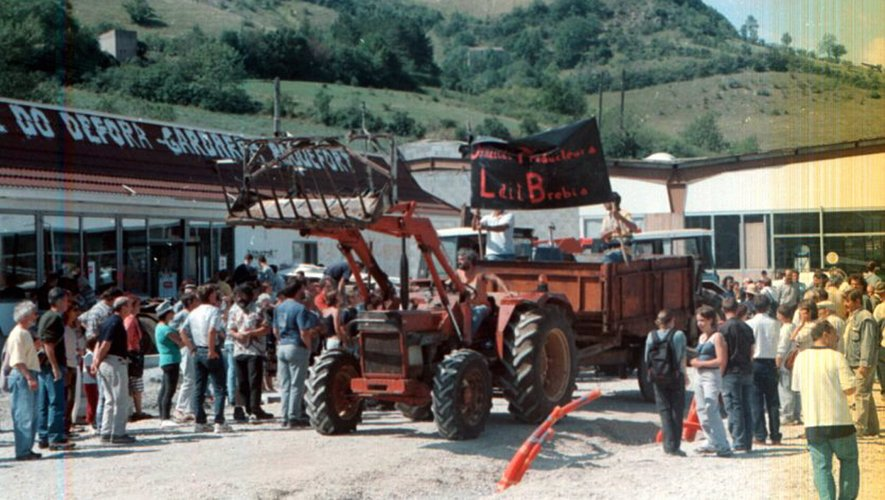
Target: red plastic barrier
<point x="530" y="449"/>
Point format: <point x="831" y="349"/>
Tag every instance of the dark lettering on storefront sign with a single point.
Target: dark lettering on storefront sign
<point x="556" y="169"/>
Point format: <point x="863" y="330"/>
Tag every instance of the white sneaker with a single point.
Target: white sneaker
<point x="202" y="428"/>
<point x="222" y="429"/>
<point x="167" y="423"/>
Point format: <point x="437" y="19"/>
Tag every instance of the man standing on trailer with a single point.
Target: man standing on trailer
<point x="499" y="242"/>
<point x="617" y="231"/>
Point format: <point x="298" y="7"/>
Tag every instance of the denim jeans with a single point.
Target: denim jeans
<point x="765" y="400"/>
<point x="24" y="413"/>
<point x="737" y="391"/>
<point x="51" y="406"/>
<point x="167" y="390"/>
<point x="791" y="402"/>
<point x="204" y="368"/>
<point x="230" y="374"/>
<point x="822" y="452"/>
<point x="707" y="390"/>
<point x="670" y="403"/>
<point x="292" y="364"/>
<point x="478" y="314"/>
<point x="613" y="257"/>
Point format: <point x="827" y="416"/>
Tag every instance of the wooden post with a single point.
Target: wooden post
<point x="276" y="107"/>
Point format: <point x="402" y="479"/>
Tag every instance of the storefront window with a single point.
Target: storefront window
<point x="698" y="222"/>
<point x="199" y="252"/>
<point x="224" y="240"/>
<point x="855" y="251"/>
<point x="135" y="257"/>
<point x="100" y="252"/>
<point x="854" y="222"/>
<point x="727" y="228"/>
<point x="797" y="223"/>
<point x="800" y="253"/>
<point x="166" y="247"/>
<point x="18" y="256"/>
<point x="61" y="236"/>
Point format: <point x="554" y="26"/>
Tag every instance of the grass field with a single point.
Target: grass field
<point x="180" y="16"/>
<point x="782" y="110"/>
<point x="477" y="8"/>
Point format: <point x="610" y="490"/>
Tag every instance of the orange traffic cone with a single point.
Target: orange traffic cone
<point x="690" y="426"/>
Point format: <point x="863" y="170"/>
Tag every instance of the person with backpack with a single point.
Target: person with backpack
<point x="665" y="351"/>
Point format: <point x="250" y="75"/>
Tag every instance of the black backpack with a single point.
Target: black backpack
<point x="661" y="360"/>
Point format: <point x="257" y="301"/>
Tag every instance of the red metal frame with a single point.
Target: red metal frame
<point x="403" y="225"/>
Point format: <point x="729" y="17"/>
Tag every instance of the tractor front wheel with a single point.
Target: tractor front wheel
<point x="462" y="395"/>
<point x="332" y="406"/>
<point x="540" y="363"/>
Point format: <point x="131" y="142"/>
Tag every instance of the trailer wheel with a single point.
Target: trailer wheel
<point x="646" y="390"/>
<point x="332" y="406"/>
<point x="462" y="395"/>
<point x="415" y="413"/>
<point x="539" y="363"/>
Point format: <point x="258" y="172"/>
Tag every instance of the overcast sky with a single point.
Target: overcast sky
<point x="858" y="24"/>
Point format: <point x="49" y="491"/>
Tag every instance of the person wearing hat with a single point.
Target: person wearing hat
<point x="169" y="350"/>
<point x="617" y="230"/>
<point x="827" y="310"/>
<point x="110" y="362"/>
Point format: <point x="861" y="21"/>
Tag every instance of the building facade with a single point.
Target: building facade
<point x="135" y="203"/>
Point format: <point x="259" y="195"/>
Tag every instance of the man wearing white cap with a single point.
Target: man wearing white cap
<point x="110" y="364"/>
<point x="826" y="309"/>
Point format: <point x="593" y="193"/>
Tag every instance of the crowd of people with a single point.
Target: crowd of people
<point x="219" y="344"/>
<point x="779" y="355"/>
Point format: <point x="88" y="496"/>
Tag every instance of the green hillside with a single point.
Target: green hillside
<point x="212" y="16"/>
<point x="779" y="110"/>
<point x="502" y="67"/>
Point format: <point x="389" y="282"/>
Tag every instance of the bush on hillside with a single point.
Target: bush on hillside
<point x="493" y="127"/>
<point x="43" y="41"/>
<point x="704" y="133"/>
<point x="191" y="70"/>
<point x="142" y="14"/>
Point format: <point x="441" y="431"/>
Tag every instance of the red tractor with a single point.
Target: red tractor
<point x="425" y="358"/>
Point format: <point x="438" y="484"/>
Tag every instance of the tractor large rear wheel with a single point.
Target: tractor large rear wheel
<point x="332" y="406"/>
<point x="462" y="395"/>
<point x="540" y="363"/>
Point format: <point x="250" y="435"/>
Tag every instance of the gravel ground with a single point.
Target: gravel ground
<point x="603" y="451"/>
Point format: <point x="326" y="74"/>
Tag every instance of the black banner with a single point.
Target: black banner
<point x="559" y="168"/>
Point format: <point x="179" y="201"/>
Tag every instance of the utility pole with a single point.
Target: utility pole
<point x="623" y="92"/>
<point x="276" y="107"/>
<point x="599" y="109"/>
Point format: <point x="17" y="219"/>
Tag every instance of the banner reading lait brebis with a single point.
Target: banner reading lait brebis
<point x="559" y="168"/>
